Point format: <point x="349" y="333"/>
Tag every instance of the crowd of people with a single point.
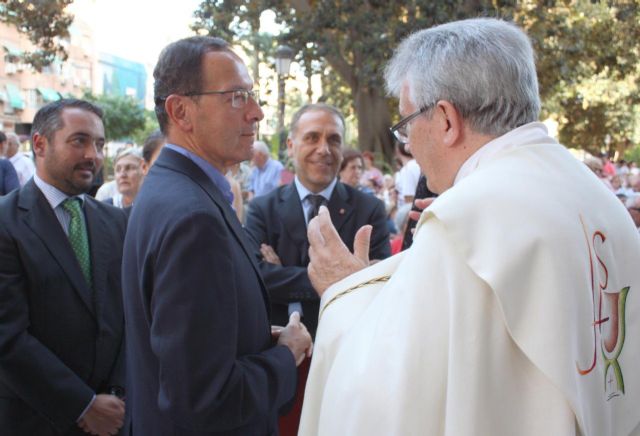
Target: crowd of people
<point x="622" y="178"/>
<point x="199" y="295"/>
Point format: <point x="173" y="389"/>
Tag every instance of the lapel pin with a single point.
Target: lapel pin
<point x="341" y="211"/>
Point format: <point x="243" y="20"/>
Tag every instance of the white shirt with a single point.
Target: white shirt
<point x="107" y="190"/>
<point x="407" y="180"/>
<point x="24" y="167"/>
<point x="303" y="192"/>
<point x="55" y="198"/>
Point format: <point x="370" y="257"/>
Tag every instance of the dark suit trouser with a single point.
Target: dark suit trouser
<point x="288" y="424"/>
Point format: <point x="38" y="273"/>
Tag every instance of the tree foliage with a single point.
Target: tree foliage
<point x="354" y="38"/>
<point x="150" y="126"/>
<point x="44" y="22"/>
<point x="587" y="55"/>
<point x="123" y="116"/>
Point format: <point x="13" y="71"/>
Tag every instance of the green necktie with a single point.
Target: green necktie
<point x="78" y="236"/>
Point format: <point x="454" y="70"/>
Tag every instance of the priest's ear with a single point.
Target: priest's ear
<point x="450" y="121"/>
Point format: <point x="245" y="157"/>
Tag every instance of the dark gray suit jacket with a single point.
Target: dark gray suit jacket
<point x="60" y="340"/>
<point x="277" y="219"/>
<point x="202" y="360"/>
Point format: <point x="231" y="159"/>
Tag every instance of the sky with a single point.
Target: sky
<point x="139" y="29"/>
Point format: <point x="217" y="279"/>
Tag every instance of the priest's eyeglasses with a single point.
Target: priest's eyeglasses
<point x="239" y="97"/>
<point x="399" y="130"/>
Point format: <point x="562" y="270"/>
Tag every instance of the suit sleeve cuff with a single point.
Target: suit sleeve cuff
<point x="86" y="409"/>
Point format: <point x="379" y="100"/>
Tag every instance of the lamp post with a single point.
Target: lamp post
<point x="284" y="56"/>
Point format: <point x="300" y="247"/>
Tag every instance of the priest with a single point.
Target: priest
<point x="516" y="311"/>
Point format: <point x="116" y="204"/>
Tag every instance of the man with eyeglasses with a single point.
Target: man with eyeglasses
<point x="516" y="311"/>
<point x="205" y="361"/>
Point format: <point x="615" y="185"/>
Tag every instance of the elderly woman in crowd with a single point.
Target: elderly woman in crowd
<point x="351" y="170"/>
<point x="130" y="169"/>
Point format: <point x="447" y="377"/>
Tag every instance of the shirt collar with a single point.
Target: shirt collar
<point x="303" y="191"/>
<point x="53" y="195"/>
<point x="531" y="133"/>
<point x="212" y="172"/>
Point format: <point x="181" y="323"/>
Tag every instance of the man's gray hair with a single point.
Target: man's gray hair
<point x="310" y="107"/>
<point x="13" y="138"/>
<point x="260" y="146"/>
<point x="485" y="67"/>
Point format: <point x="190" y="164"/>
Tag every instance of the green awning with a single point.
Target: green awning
<point x="48" y="95"/>
<point x="15" y="98"/>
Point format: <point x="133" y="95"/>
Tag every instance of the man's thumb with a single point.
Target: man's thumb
<point x="361" y="243"/>
<point x="294" y="318"/>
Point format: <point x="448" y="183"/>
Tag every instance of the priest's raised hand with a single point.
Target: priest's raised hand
<point x="330" y="259"/>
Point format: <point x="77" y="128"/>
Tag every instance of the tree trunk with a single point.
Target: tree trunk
<point x="374" y="120"/>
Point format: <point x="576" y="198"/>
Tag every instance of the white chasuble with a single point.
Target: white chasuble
<point x="515" y="312"/>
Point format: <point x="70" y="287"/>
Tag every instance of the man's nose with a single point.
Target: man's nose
<point x="323" y="146"/>
<point x="92" y="151"/>
<point x="255" y="111"/>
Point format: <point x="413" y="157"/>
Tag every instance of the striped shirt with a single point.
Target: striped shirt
<point x="56" y="197"/>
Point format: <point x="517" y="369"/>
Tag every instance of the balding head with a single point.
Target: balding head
<point x="261" y="154"/>
<point x="13" y="144"/>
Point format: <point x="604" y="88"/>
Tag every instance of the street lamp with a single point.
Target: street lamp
<point x="284" y="56"/>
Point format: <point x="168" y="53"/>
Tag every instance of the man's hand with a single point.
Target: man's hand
<point x="331" y="260"/>
<point x="269" y="254"/>
<point x="296" y="337"/>
<point x="105" y="416"/>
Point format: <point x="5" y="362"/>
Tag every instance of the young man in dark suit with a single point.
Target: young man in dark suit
<point x="61" y="320"/>
<point x="203" y="360"/>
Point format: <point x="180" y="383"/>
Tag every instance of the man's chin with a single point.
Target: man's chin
<point x="82" y="186"/>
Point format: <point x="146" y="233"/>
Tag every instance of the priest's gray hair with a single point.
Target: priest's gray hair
<point x="485" y="67"/>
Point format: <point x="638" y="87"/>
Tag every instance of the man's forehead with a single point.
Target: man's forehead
<point x="226" y="69"/>
<point x="316" y="120"/>
<point x="82" y="119"/>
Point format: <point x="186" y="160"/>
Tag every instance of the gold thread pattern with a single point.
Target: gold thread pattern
<point x="336" y="297"/>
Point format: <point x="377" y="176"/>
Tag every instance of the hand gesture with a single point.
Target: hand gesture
<point x="296" y="337"/>
<point x="331" y="260"/>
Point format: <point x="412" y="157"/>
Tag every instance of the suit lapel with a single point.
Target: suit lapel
<point x="291" y="214"/>
<point x="97" y="227"/>
<point x="41" y="219"/>
<point x="177" y="162"/>
<point x="340" y="206"/>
